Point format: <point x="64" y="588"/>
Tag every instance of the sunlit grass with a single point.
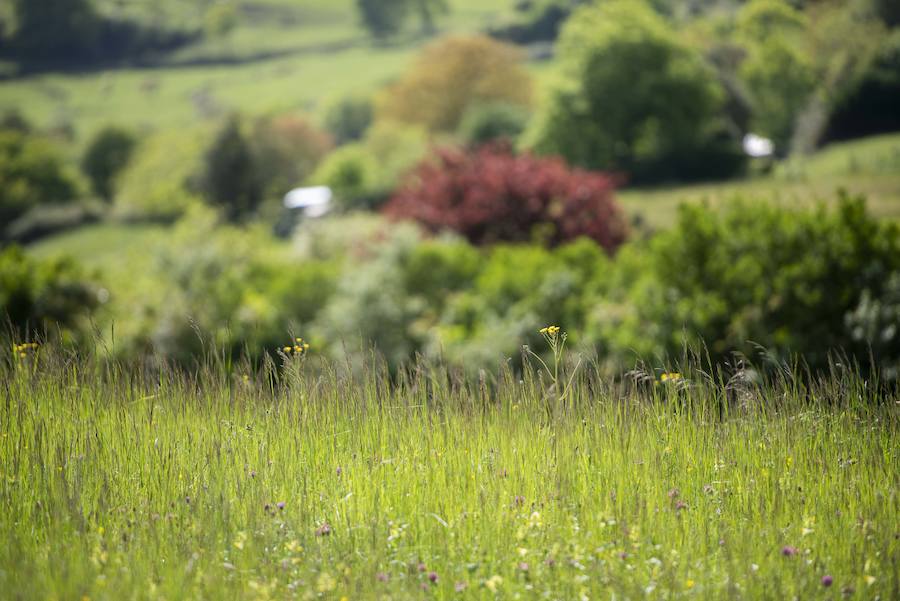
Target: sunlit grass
<point x="305" y="482"/>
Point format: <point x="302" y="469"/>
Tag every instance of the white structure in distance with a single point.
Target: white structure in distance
<point x="315" y="200"/>
<point x="758" y="146"/>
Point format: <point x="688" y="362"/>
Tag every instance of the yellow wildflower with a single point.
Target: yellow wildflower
<point x="670" y="376"/>
<point x="493" y="582"/>
<point x="325" y="583"/>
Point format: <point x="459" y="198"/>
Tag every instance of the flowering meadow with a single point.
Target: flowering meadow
<point x="308" y="479"/>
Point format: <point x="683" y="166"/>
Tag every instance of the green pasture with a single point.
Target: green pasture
<point x="283" y="56"/>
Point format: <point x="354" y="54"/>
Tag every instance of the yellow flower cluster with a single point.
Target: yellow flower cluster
<point x="22" y="350"/>
<point x="550" y="330"/>
<point x="672" y="376"/>
<point x="299" y="347"/>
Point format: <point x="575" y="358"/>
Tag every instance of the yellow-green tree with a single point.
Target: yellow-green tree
<point x="452" y="75"/>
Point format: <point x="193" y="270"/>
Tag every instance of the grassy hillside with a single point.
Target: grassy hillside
<point x="273" y="61"/>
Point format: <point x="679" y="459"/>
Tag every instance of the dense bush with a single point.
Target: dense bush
<point x="228" y="289"/>
<point x="354" y="177"/>
<point x="637" y="100"/>
<point x="875" y="324"/>
<point x="106" y="155"/>
<point x="447" y="300"/>
<point x="490" y="122"/>
<point x="285" y="150"/>
<point x="349" y="118"/>
<point x="31" y="174"/>
<point x="760" y="275"/>
<point x="44" y="298"/>
<point x="371" y="306"/>
<point x="452" y="75"/>
<point x="490" y="195"/>
<point x="160" y="181"/>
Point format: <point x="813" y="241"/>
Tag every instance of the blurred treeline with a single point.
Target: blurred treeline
<point x="472" y="204"/>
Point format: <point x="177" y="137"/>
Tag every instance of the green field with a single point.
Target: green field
<point x="227" y="483"/>
<point x="869" y="166"/>
<point x="273" y="61"/>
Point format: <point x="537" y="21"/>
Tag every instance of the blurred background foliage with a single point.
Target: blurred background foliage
<point x="496" y="166"/>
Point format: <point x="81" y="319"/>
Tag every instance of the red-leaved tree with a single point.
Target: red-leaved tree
<point x="490" y="195"/>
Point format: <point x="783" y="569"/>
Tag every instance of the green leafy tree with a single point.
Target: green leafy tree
<point x="636" y="100"/>
<point x="428" y="10"/>
<point x="286" y="149"/>
<point x="31" y="174"/>
<point x="492" y="121"/>
<point x="231" y="178"/>
<point x="349" y="118"/>
<point x="54" y="29"/>
<point x="780" y="81"/>
<point x="778" y="73"/>
<point x="39" y="297"/>
<point x="106" y="155"/>
<point x="452" y="75"/>
<point x="384" y="18"/>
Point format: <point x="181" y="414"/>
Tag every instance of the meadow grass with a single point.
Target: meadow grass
<point x="306" y="480"/>
<point x="868" y="166"/>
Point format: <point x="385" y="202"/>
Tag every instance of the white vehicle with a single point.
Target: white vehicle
<point x="315" y="201"/>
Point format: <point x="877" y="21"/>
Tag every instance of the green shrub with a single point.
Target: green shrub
<point x="44" y="298"/>
<point x="756" y="274"/>
<point x="493" y="121"/>
<point x="31" y="174"/>
<point x="349" y="118"/>
<point x="518" y="290"/>
<point x="353" y="175"/>
<point x="363" y="174"/>
<point x="106" y="155"/>
<point x="159" y="182"/>
<point x="435" y="268"/>
<point x="371" y="306"/>
<point x="285" y="150"/>
<point x="231" y="290"/>
<point x="875" y="323"/>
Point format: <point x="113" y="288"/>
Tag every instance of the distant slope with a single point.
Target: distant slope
<point x="283" y="55"/>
